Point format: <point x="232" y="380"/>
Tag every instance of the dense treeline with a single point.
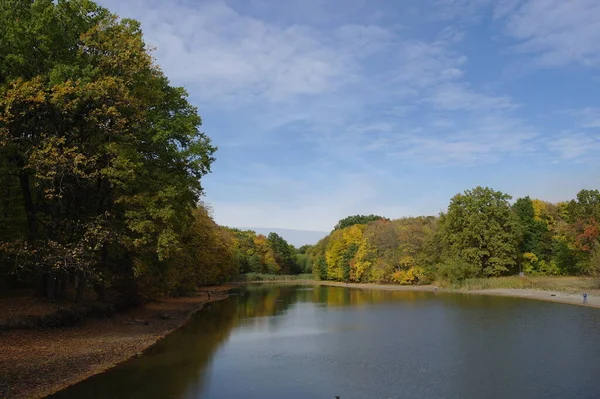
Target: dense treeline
<point x="268" y="254"/>
<point x="481" y="235"/>
<point x="100" y="160"/>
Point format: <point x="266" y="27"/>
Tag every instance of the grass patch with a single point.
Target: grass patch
<point x="548" y="283"/>
<point x="275" y="277"/>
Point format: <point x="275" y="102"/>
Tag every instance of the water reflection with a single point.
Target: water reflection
<point x="296" y="342"/>
<point x="177" y="366"/>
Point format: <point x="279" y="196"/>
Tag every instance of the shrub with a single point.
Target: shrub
<point x="274" y="277"/>
<point x="455" y="270"/>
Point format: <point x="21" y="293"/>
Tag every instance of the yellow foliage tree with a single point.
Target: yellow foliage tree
<point x="333" y="255"/>
<point x="267" y="257"/>
<point x="363" y="260"/>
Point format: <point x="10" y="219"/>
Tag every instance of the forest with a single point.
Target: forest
<point x="482" y="234"/>
<point x="101" y="164"/>
<point x="101" y="160"/>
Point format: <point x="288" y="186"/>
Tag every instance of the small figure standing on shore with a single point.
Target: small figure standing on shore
<point x="585" y="297"/>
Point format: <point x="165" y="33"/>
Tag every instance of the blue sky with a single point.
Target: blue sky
<point x="326" y="108"/>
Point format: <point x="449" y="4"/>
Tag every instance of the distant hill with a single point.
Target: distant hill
<point x="295" y="237"/>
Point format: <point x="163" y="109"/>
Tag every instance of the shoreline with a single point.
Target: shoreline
<point x="555" y="296"/>
<point x="38" y="363"/>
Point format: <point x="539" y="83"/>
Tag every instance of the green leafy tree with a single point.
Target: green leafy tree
<point x="283" y="252"/>
<point x="304" y="249"/>
<point x="347" y="259"/>
<point x="303" y="263"/>
<point x="356" y="219"/>
<point x="481" y="230"/>
<point x="587" y="205"/>
<point x="536" y="237"/>
<point x="107" y="156"/>
<point x="316" y="255"/>
<point x="256" y="264"/>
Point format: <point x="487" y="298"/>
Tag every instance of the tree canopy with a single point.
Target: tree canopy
<point x="101" y="168"/>
<point x="481" y="230"/>
<point x="481" y="234"/>
<point x="101" y="158"/>
<point x="356" y="219"/>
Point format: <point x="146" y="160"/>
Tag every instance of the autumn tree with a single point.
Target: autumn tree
<point x="536" y="241"/>
<point x="207" y="257"/>
<point x="382" y="251"/>
<point x="101" y="157"/>
<point x="259" y="254"/>
<point x="480" y="235"/>
<point x="578" y="234"/>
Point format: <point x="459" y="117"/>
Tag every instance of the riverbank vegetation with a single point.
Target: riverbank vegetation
<point x="275" y="277"/>
<point x="101" y="161"/>
<point x="483" y="234"/>
<point x="571" y="284"/>
<point x="101" y="164"/>
<point x="259" y="254"/>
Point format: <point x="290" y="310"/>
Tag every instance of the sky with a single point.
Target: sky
<point x="327" y="108"/>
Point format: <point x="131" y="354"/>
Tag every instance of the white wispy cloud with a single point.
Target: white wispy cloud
<point x="315" y="209"/>
<point x="459" y="96"/>
<point x="452" y="34"/>
<point x="225" y="56"/>
<point x="574" y="146"/>
<point x="555" y="32"/>
<point x="362" y="101"/>
<point x="465" y="10"/>
<point x="588" y="117"/>
<point x="505" y="7"/>
<point x="481" y="140"/>
<point x="421" y="64"/>
<point x="236" y="58"/>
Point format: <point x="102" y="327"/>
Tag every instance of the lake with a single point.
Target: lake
<point x="304" y="342"/>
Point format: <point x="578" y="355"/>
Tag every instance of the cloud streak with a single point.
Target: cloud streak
<point x="555" y="32"/>
<point x="320" y="114"/>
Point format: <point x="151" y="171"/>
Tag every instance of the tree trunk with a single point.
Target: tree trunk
<point x="101" y="288"/>
<point x="80" y="286"/>
<point x="62" y="286"/>
<point x="41" y="287"/>
<point x="6" y="205"/>
<point x="29" y="207"/>
<point x="51" y="288"/>
<point x="101" y="292"/>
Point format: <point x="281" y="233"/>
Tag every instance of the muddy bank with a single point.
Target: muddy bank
<point x="37" y="363"/>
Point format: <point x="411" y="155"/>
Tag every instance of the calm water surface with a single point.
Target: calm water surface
<point x="298" y="342"/>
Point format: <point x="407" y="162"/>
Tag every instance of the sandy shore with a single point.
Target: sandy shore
<point x="37" y="363"/>
<point x="544" y="295"/>
<point x="550" y="296"/>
